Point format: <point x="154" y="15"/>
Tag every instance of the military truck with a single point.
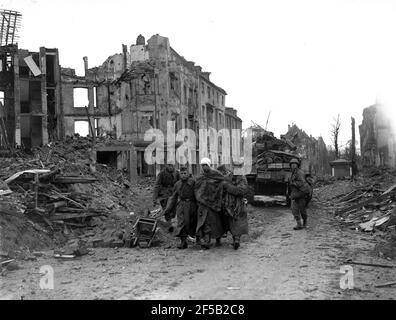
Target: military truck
<point x="270" y="173"/>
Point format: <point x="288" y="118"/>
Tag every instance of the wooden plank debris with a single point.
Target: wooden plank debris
<point x="387" y="284"/>
<point x="349" y="261"/>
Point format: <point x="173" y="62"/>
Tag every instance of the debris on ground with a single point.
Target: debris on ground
<point x="367" y="203"/>
<point x="50" y="196"/>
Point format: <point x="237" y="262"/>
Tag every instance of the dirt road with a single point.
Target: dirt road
<point x="274" y="262"/>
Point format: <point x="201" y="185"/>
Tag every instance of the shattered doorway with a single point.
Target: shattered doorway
<point x="107" y="157"/>
<point x="31" y="132"/>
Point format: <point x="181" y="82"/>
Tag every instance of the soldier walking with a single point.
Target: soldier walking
<point x="209" y="194"/>
<point x="163" y="188"/>
<point x="299" y="191"/>
<point x="235" y="205"/>
<point x="184" y="200"/>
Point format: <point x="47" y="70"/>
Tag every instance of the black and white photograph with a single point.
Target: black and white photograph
<point x="197" y="155"/>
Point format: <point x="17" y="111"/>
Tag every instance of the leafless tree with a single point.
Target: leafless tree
<point x="335" y="130"/>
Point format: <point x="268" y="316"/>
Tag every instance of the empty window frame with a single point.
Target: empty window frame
<point x="95" y="97"/>
<point x="81" y="127"/>
<point x="80" y="98"/>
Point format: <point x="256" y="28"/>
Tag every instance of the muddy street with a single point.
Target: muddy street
<point x="274" y="262"/>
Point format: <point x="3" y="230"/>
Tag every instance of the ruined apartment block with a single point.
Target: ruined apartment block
<point x="29" y="97"/>
<point x="377" y="137"/>
<point x="140" y="89"/>
<point x="130" y="93"/>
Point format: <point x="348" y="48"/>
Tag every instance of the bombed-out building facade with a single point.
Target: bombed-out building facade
<point x="377" y="137"/>
<point x="30" y="96"/>
<point x="141" y="88"/>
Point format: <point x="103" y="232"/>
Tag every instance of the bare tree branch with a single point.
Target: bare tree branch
<point x="335" y="130"/>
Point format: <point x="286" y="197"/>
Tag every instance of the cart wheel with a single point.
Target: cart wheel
<point x="149" y="242"/>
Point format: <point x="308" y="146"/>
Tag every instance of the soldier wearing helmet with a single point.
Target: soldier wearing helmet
<point x="299" y="190"/>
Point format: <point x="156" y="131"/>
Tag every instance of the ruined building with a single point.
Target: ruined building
<point x="314" y="154"/>
<point x="30" y="96"/>
<point x="377" y="137"/>
<point x="140" y="88"/>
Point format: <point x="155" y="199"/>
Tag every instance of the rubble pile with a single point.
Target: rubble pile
<point x="364" y="203"/>
<point x="52" y="195"/>
<point x="367" y="203"/>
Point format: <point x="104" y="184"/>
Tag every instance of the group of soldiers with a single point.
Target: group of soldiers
<point x="206" y="207"/>
<point x="214" y="203"/>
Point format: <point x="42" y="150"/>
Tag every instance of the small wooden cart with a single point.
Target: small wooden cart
<point x="146" y="229"/>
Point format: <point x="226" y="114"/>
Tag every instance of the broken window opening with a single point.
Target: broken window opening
<point x="96" y="127"/>
<point x="146" y="121"/>
<point x="173" y="81"/>
<point x="6" y="62"/>
<point x="24" y="72"/>
<point x="31" y="133"/>
<point x="190" y="96"/>
<point x="222" y="100"/>
<point x="51" y="112"/>
<point x="30" y="94"/>
<point x="107" y="157"/>
<point x="50" y="69"/>
<point x="95" y="97"/>
<point x="185" y="124"/>
<point x="142" y="166"/>
<point x="80" y="98"/>
<point x="185" y="94"/>
<point x="81" y="127"/>
<point x="208" y="92"/>
<point x="35" y="90"/>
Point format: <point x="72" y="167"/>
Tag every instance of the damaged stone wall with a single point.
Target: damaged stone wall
<point x="377" y="138"/>
<point x="30" y="83"/>
<point x="314" y="154"/>
<point x="143" y="89"/>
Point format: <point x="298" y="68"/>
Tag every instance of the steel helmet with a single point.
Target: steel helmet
<point x="294" y="160"/>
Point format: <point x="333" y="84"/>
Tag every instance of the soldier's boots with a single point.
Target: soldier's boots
<point x="304" y="222"/>
<point x="218" y="242"/>
<point x="198" y="240"/>
<point x="206" y="244"/>
<point x="236" y="243"/>
<point x="183" y="243"/>
<point x="299" y="226"/>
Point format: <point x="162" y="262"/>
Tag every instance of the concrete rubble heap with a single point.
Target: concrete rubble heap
<point x="367" y="204"/>
<point x="67" y="202"/>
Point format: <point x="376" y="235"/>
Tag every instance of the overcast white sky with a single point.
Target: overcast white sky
<point x="305" y="61"/>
